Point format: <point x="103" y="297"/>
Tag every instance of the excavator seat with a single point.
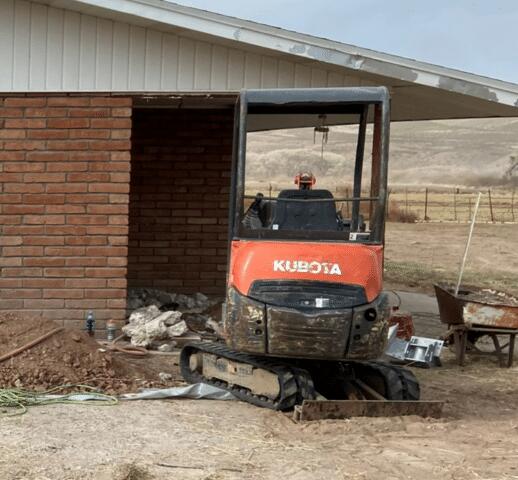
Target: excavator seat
<point x="302" y="215"/>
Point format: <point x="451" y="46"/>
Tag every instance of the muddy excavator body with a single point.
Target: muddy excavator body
<point x="305" y="316"/>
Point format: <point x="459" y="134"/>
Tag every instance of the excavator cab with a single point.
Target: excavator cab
<point x="305" y="281"/>
<point x="305" y="316"/>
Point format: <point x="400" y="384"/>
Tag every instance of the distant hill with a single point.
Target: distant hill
<point x="443" y="153"/>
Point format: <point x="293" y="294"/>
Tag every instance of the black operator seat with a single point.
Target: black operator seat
<point x="305" y="214"/>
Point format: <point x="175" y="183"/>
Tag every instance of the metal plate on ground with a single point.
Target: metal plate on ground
<point x="339" y="409"/>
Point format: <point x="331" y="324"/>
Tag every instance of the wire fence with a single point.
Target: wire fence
<point x="430" y="204"/>
<point x="455" y="205"/>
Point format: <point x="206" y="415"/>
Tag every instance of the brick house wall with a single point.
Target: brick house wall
<point x="64" y="183"/>
<point x="180" y="184"/>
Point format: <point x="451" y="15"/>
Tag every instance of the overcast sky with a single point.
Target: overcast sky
<point x="479" y="36"/>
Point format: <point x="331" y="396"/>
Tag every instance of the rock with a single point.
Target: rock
<point x="166" y="347"/>
<point x="202" y="301"/>
<point x="171" y="318"/>
<point x="177" y="330"/>
<point x="144" y="315"/>
<point x="165" y="377"/>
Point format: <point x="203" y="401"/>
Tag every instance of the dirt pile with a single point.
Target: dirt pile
<point x="67" y="357"/>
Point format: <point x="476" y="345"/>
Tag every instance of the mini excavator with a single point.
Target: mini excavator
<point x="305" y="317"/>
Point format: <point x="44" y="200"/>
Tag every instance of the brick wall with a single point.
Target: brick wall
<point x="64" y="182"/>
<point x="179" y="199"/>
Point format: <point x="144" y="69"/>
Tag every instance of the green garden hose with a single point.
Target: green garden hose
<point x="14" y="401"/>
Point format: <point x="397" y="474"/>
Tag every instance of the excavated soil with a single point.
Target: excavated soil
<point x="69" y="356"/>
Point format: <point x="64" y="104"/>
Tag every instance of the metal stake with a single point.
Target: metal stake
<point x="461" y="273"/>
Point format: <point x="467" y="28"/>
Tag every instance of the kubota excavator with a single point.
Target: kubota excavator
<point x="305" y="317"/>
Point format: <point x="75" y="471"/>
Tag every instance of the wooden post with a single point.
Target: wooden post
<point x="512" y="203"/>
<point x="491" y="205"/>
<point x="426" y="205"/>
<point x="347" y="203"/>
<point x="455" y="204"/>
<point x="270" y="191"/>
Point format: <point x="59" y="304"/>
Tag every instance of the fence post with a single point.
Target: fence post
<point x="426" y="204"/>
<point x="455" y="204"/>
<point x="512" y="203"/>
<point x="491" y="205"/>
<point x="347" y="203"/>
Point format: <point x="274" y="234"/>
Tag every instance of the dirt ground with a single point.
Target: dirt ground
<point x="417" y="255"/>
<point x="203" y="439"/>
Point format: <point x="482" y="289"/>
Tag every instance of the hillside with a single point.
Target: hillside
<point x="446" y="152"/>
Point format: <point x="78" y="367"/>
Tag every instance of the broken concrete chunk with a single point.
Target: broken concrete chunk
<point x="166" y="347"/>
<point x="178" y="329"/>
<point x="144" y="314"/>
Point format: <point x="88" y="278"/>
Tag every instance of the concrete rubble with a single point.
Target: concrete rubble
<point x="157" y="319"/>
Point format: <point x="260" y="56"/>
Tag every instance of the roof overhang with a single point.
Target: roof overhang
<point x="420" y="83"/>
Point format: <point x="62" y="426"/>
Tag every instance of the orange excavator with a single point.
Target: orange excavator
<point x="305" y="317"/>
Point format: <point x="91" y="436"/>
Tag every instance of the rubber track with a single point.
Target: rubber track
<point x="289" y="389"/>
<point x="409" y="386"/>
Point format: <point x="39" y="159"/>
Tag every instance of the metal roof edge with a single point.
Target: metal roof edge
<point x="313" y="48"/>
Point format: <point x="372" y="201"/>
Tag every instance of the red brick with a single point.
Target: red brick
<point x="90" y="304"/>
<point x="44" y="177"/>
<point x="46" y="112"/>
<point x="68" y="101"/>
<point x="67" y="145"/>
<point x="10" y="240"/>
<point x="12" y="156"/>
<point x="111" y="102"/>
<point x="25" y="123"/>
<point x="22" y="272"/>
<point x="67" y="188"/>
<point x="109" y="187"/>
<point x="111" y="166"/>
<point x="15" y="167"/>
<point x="120" y="134"/>
<point x="10" y="262"/>
<point x="110" y="145"/>
<point x="44" y="219"/>
<point x="89" y="112"/>
<point x="67" y="167"/>
<point x="25" y="101"/>
<point x="68" y="123"/>
<point x="45" y="199"/>
<point x="87" y="198"/>
<point x="64" y="251"/>
<point x="10" y="198"/>
<point x="111" y="123"/>
<point x="20" y="293"/>
<point x="107" y="230"/>
<point x="43" y="240"/>
<point x="22" y="209"/>
<point x="105" y="272"/>
<point x="90" y="133"/>
<point x="85" y="283"/>
<point x="24" y="188"/>
<point x="12" y="134"/>
<point x="43" y="304"/>
<point x="23" y="230"/>
<point x="65" y="293"/>
<point x="48" y="134"/>
<point x="108" y="209"/>
<point x="87" y="219"/>
<point x="121" y="112"/>
<point x="43" y="283"/>
<point x="47" y="156"/>
<point x="65" y="230"/>
<point x="86" y="240"/>
<point x="88" y="177"/>
<point x="43" y="262"/>
<point x="53" y="209"/>
<point x="64" y="272"/>
<point x="85" y="262"/>
<point x="11" y="112"/>
<point x="23" y="251"/>
<point x="106" y="251"/>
